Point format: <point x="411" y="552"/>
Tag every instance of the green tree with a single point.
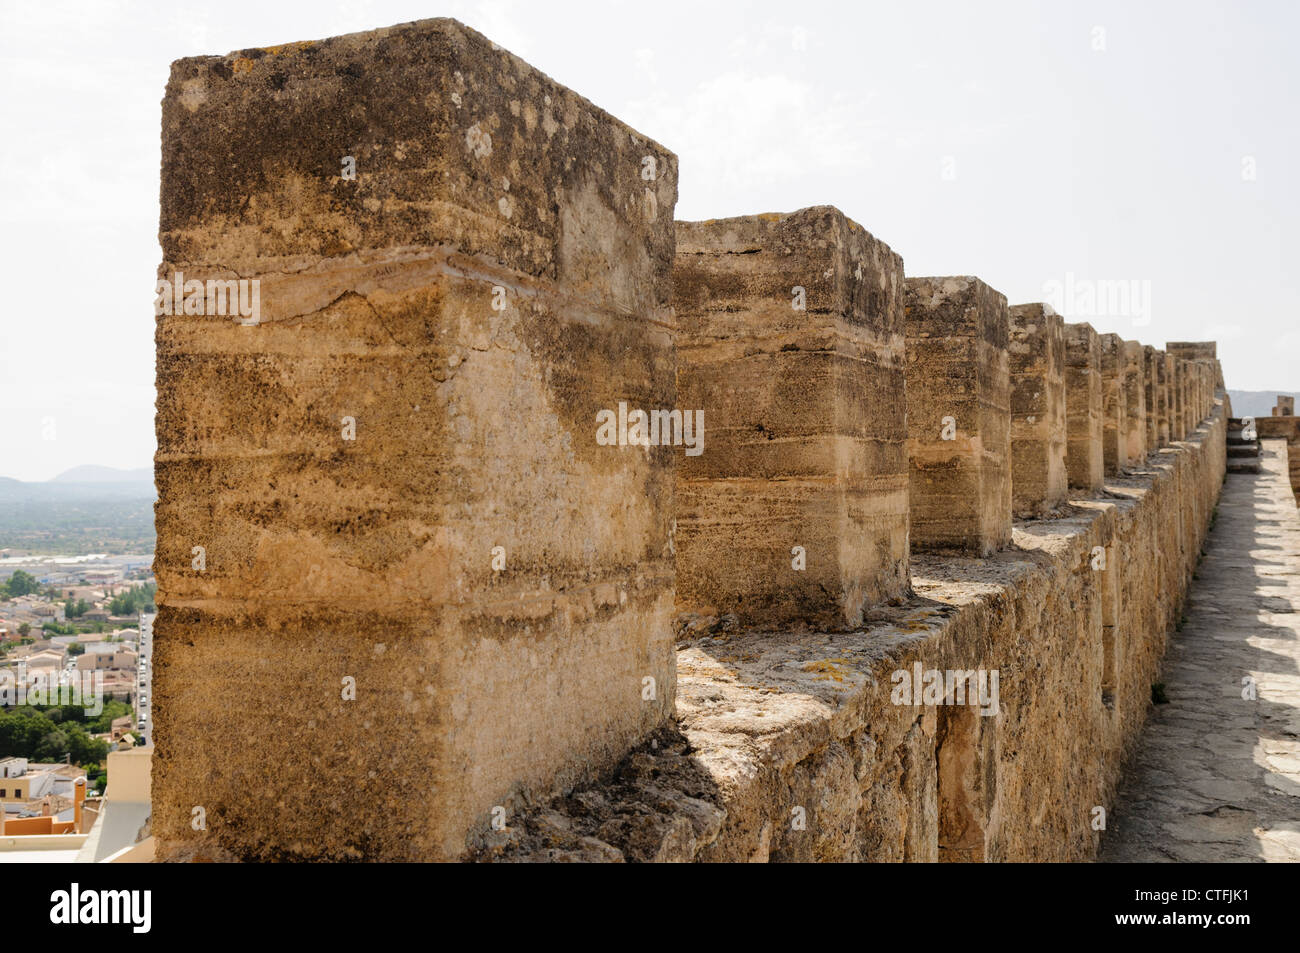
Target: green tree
<point x="20" y="584"/>
<point x="113" y="708"/>
<point x="133" y="600"/>
<point x="49" y="735"/>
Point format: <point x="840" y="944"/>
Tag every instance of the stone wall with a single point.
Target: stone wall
<point x="1151" y="396"/>
<point x="1173" y="398"/>
<point x="1084" y="406"/>
<point x="791" y="340"/>
<point x="1287" y="428"/>
<point x="1038" y="411"/>
<point x="1114" y="426"/>
<point x="400" y="580"/>
<point x="1161" y="372"/>
<point x="1135" y="404"/>
<point x="431" y="518"/>
<point x="958" y="414"/>
<point x="790" y="747"/>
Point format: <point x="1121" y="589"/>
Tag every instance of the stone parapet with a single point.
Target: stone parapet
<point x="1038" y="411"/>
<point x="791" y="343"/>
<point x="1084" y="405"/>
<point x="809" y="747"/>
<point x="386" y="482"/>
<point x="1114" y="421"/>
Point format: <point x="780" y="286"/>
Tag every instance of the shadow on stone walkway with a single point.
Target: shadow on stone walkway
<point x="1216" y="777"/>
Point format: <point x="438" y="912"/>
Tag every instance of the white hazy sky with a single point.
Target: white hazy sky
<point x="1018" y="141"/>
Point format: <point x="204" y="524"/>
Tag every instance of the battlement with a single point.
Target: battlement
<point x="527" y="523"/>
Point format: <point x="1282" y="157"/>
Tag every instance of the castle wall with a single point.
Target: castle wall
<point x="393" y="470"/>
<point x="792" y="746"/>
<point x="1288" y="429"/>
<point x="416" y="604"/>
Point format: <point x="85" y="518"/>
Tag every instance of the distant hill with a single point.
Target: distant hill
<point x="87" y="509"/>
<point x="90" y="473"/>
<point x="1256" y="403"/>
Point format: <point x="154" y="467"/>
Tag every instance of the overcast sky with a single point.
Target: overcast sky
<point x="1155" y="144"/>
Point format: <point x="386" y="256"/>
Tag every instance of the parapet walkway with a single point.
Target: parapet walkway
<point x="1216" y="777"/>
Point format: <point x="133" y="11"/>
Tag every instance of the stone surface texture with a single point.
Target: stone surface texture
<point x="497" y="273"/>
<point x="790" y="340"/>
<point x="1114" y="425"/>
<point x="1084" y="404"/>
<point x="1160" y="371"/>
<point x="1288" y="429"/>
<point x="1038" y="414"/>
<point x="958" y="415"/>
<point x="1175" y="398"/>
<point x="1135" y="403"/>
<point x="791" y="749"/>
<point x="1151" y="397"/>
<point x="413" y="606"/>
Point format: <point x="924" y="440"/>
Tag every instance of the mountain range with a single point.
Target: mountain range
<point x="90" y="473"/>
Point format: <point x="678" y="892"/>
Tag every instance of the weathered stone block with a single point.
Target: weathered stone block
<point x="1197" y="397"/>
<point x="1135" y="403"/>
<point x="1285" y="406"/>
<point x="1038" y="410"/>
<point x="791" y="343"/>
<point x="958" y="414"/>
<point x="1151" y="395"/>
<point x="1202" y="391"/>
<point x="1113" y="427"/>
<point x="1205" y="351"/>
<point x="1174" y="398"/>
<point x="1084" y="460"/>
<point x="393" y="468"/>
<point x="1160" y="363"/>
<point x="1285" y="427"/>
<point x="1183" y="388"/>
<point x="1188" y="403"/>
